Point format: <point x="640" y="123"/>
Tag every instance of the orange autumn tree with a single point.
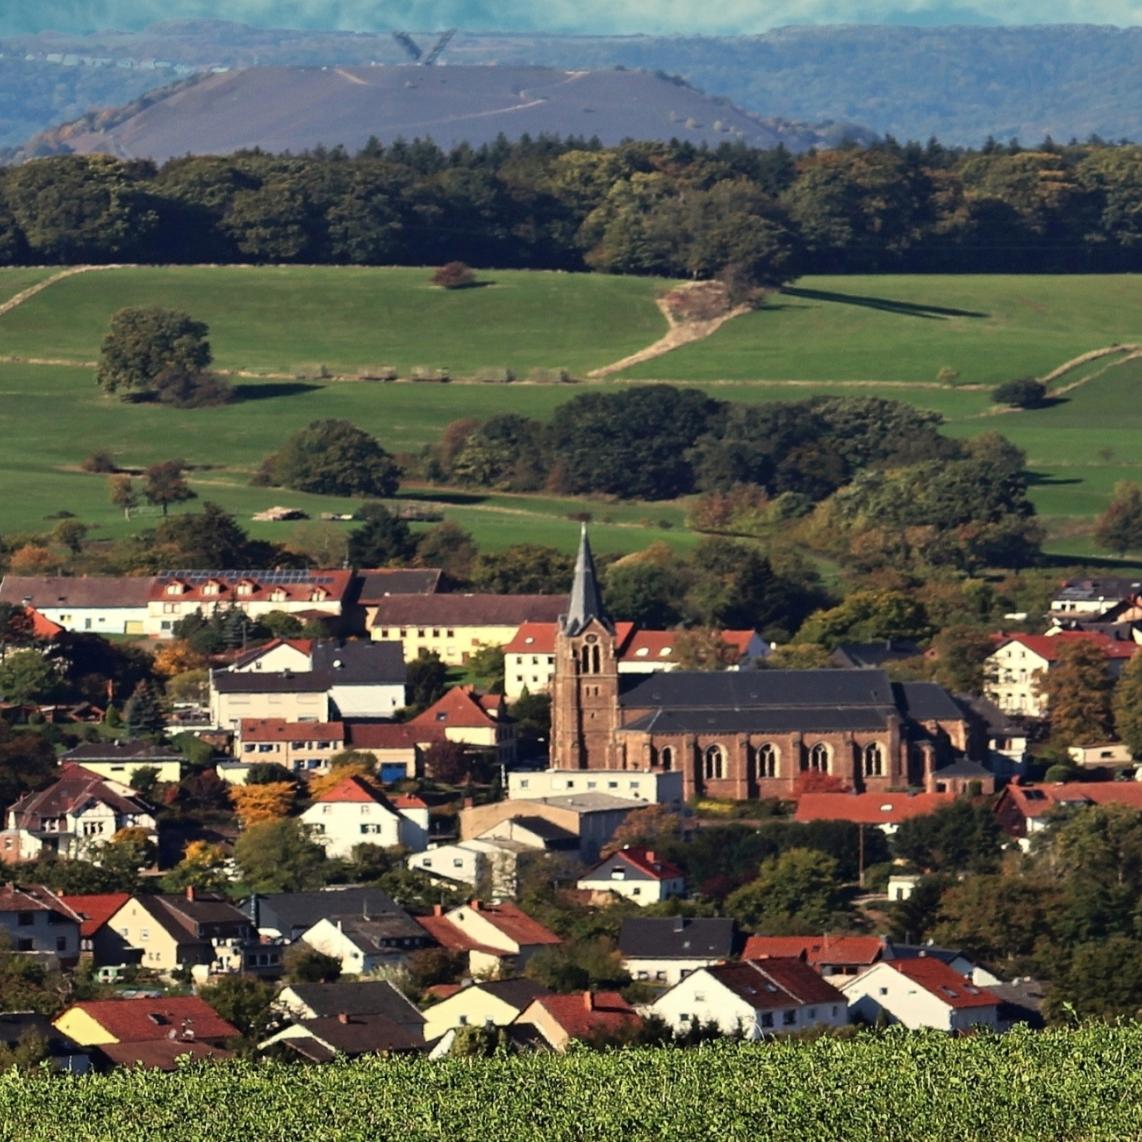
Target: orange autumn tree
<point x="264" y="802"/>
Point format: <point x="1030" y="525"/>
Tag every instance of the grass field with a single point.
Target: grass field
<point x="293" y="320"/>
<point x="906" y="328"/>
<point x="12" y="281"/>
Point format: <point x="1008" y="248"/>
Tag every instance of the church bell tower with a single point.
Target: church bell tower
<point x="585" y="691"/>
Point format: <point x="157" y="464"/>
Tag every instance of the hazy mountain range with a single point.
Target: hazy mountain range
<point x="960" y="84"/>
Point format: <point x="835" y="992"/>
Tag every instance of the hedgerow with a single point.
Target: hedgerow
<point x="1065" y="1084"/>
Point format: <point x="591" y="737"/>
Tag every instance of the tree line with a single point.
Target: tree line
<point x="640" y="208"/>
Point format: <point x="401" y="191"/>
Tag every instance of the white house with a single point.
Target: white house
<point x="353" y="813"/>
<point x="34" y="919"/>
<point x="755" y="998"/>
<point x="117" y="761"/>
<point x="474" y="863"/>
<point x="363" y="944"/>
<point x="635" y="873"/>
<point x="654" y="787"/>
<point x="101" y="604"/>
<point x="921" y="992"/>
<point x="665" y="950"/>
<point x="498" y="939"/>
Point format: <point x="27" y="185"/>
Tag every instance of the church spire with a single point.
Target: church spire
<point x="586" y="597"/>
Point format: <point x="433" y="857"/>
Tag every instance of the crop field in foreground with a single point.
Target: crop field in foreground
<point x="896" y="1087"/>
<point x="293" y="320"/>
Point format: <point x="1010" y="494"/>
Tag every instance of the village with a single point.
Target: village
<point x="332" y="848"/>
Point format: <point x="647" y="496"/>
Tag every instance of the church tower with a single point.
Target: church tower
<point x="585" y="691"/>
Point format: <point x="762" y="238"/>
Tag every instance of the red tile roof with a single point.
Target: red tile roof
<point x="945" y="983"/>
<point x="584" y="1014"/>
<point x="95" y="909"/>
<point x="406" y="801"/>
<point x="869" y="808"/>
<point x="514" y="923"/>
<point x="159" y="1054"/>
<point x="140" y="1020"/>
<point x="770" y="984"/>
<point x="279" y="730"/>
<point x="631" y="642"/>
<point x="1038" y="800"/>
<point x="43" y="627"/>
<point x="1048" y="646"/>
<point x="392" y="735"/>
<point x="460" y="706"/>
<point x="353" y="789"/>
<point x="815" y="950"/>
<point x="32" y="898"/>
<point x="265" y="586"/>
<point x="647" y="861"/>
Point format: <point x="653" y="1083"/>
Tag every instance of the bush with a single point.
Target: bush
<point x="1026" y="392"/>
<point x="100" y="462"/>
<point x="332" y="457"/>
<point x="454" y="275"/>
<point x="182" y="388"/>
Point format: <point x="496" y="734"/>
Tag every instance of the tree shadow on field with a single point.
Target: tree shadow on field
<point x="1046" y="480"/>
<point x="443" y="496"/>
<point x="889" y="305"/>
<point x="266" y="390"/>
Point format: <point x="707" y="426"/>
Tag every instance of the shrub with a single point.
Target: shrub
<point x="100" y="462"/>
<point x="947" y="375"/>
<point x="182" y="388"/>
<point x="332" y="457"/>
<point x="454" y="275"/>
<point x="1026" y="392"/>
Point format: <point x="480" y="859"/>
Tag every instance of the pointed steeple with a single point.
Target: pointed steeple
<point x="586" y="597"/>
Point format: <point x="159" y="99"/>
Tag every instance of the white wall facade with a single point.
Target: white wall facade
<point x="665" y="972"/>
<point x="98" y="620"/>
<point x="884" y="992"/>
<point x="654" y="788"/>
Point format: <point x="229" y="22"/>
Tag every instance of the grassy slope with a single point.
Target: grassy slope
<point x="906" y="328"/>
<point x="12" y="281"/>
<point x="274" y="319"/>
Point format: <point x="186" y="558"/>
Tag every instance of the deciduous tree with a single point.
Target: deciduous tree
<point x="143" y="342"/>
<point x="1078" y="691"/>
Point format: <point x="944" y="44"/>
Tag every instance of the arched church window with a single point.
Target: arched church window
<point x="714" y="763"/>
<point x="768" y="756"/>
<point x="666" y="757"/>
<point x="873" y="760"/>
<point x="819" y="758"/>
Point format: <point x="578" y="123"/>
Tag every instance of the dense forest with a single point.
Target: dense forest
<point x="640" y="208"/>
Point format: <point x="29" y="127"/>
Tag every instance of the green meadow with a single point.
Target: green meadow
<point x="885" y="336"/>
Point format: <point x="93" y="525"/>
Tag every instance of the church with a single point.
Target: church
<point x="740" y="734"/>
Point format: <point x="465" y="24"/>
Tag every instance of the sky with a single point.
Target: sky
<point x="659" y="17"/>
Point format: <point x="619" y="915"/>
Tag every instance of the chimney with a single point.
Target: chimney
<point x="190" y="895"/>
<point x="651" y="856"/>
<point x="469" y="802"/>
<point x="343" y="1017"/>
<point x="438" y="910"/>
<point x="475" y="905"/>
<point x="589" y="1000"/>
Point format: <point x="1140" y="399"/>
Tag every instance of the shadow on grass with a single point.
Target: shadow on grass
<point x="1122" y="567"/>
<point x="443" y="496"/>
<point x="1043" y="480"/>
<point x="889" y="305"/>
<point x="267" y="390"/>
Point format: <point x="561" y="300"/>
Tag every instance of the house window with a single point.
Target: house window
<point x="788" y="1018"/>
<point x="25" y="919"/>
<point x="714" y="763"/>
<point x="24" y="945"/>
<point x="767" y="1019"/>
<point x="883" y="991"/>
<point x="370" y="830"/>
<point x="873" y="760"/>
<point x="61" y="943"/>
<point x="660" y="976"/>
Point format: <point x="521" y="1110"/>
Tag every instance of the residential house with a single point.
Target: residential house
<point x="456" y="626"/>
<point x="664" y="950"/>
<point x="344" y="1036"/>
<point x="498" y="939"/>
<point x="176" y="1018"/>
<point x="588" y="1016"/>
<point x="118" y="760"/>
<point x="300" y="1001"/>
<point x="305" y="594"/>
<point x="479" y="721"/>
<point x="72" y="817"/>
<point x="635" y="873"/>
<point x="287" y="915"/>
<point x="494" y="1003"/>
<point x="362" y="944"/>
<point x="97" y="938"/>
<point x="529" y="658"/>
<point x="373" y="586"/>
<point x="592" y="817"/>
<point x="836" y="957"/>
<point x="997" y="737"/>
<point x="156" y="1054"/>
<point x="648" y="786"/>
<point x="754" y="998"/>
<point x="397" y="747"/>
<point x="329" y="680"/>
<point x="1093" y="598"/>
<point x="197" y="931"/>
<point x="1102" y="755"/>
<point x="921" y="992"/>
<point x="64" y="1054"/>
<point x="99" y="604"/>
<point x="302" y="747"/>
<point x="354" y="812"/>
<point x="1024" y="810"/>
<point x="954" y="958"/>
<point x="1020" y="661"/>
<point x="885" y="811"/>
<point x="36" y="920"/>
<point x="875" y="655"/>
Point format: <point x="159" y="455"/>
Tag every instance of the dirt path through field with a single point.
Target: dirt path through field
<point x="39" y="287"/>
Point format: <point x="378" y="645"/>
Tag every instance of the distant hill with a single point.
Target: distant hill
<point x="294" y="109"/>
<point x="958" y="83"/>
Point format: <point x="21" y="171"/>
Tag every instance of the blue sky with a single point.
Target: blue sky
<point x="626" y="16"/>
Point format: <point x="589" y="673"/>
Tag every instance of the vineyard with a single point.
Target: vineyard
<point x="1072" y="1084"/>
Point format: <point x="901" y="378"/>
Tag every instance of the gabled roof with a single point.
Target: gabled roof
<point x="926" y="702"/>
<point x="1048" y="646"/>
<point x="375" y="935"/>
<point x="1038" y="800"/>
<point x="508" y="919"/>
<point x="138" y="751"/>
<point x="56" y="591"/>
<point x="946" y="984"/>
<point x="279" y="730"/>
<point x="303" y="646"/>
<point x="467" y="610"/>
<point x="517" y="993"/>
<point x="158" y="1054"/>
<point x="391" y="735"/>
<point x="583" y="1014"/>
<point x="816" y="951"/>
<point x="178" y="1017"/>
<point x="94" y="909"/>
<point x="749" y="690"/>
<point x="871" y="655"/>
<point x="869" y="808"/>
<point x="775" y="983"/>
<point x="677" y="937"/>
<point x="33" y="898"/>
<point x="357" y="998"/>
<point x="74" y="788"/>
<point x="42" y="627"/>
<point x="372" y="585"/>
<point x="352" y="789"/>
<point x="353" y="1035"/>
<point x="194" y="921"/>
<point x="644" y="862"/>
<point x="460" y="706"/>
<point x="294" y="912"/>
<point x="265" y="585"/>
<point x="332" y="662"/>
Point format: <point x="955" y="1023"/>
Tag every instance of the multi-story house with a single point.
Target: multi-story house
<point x="34" y="919"/>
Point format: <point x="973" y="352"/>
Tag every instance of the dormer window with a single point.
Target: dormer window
<point x="245" y="587"/>
<point x="318" y="594"/>
<point x="174" y="588"/>
<point x="212" y="587"/>
<point x="278" y="595"/>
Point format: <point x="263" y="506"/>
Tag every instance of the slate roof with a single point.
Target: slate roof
<point x="56" y="591"/>
<point x="926" y="702"/>
<point x="74" y="788"/>
<point x="158" y="1054"/>
<point x="749" y="690"/>
<point x="871" y="655"/>
<point x="291" y="913"/>
<point x="356" y="1035"/>
<point x="467" y="610"/>
<point x="196" y="921"/>
<point x="677" y="938"/>
<point x="351" y="998"/>
<point x="372" y="585"/>
<point x="775" y="983"/>
<point x="140" y="1020"/>
<point x="140" y="751"/>
<point x="964" y="767"/>
<point x="586" y="602"/>
<point x="376" y="935"/>
<point x="518" y="993"/>
<point x="333" y="662"/>
<point x="759" y="720"/>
